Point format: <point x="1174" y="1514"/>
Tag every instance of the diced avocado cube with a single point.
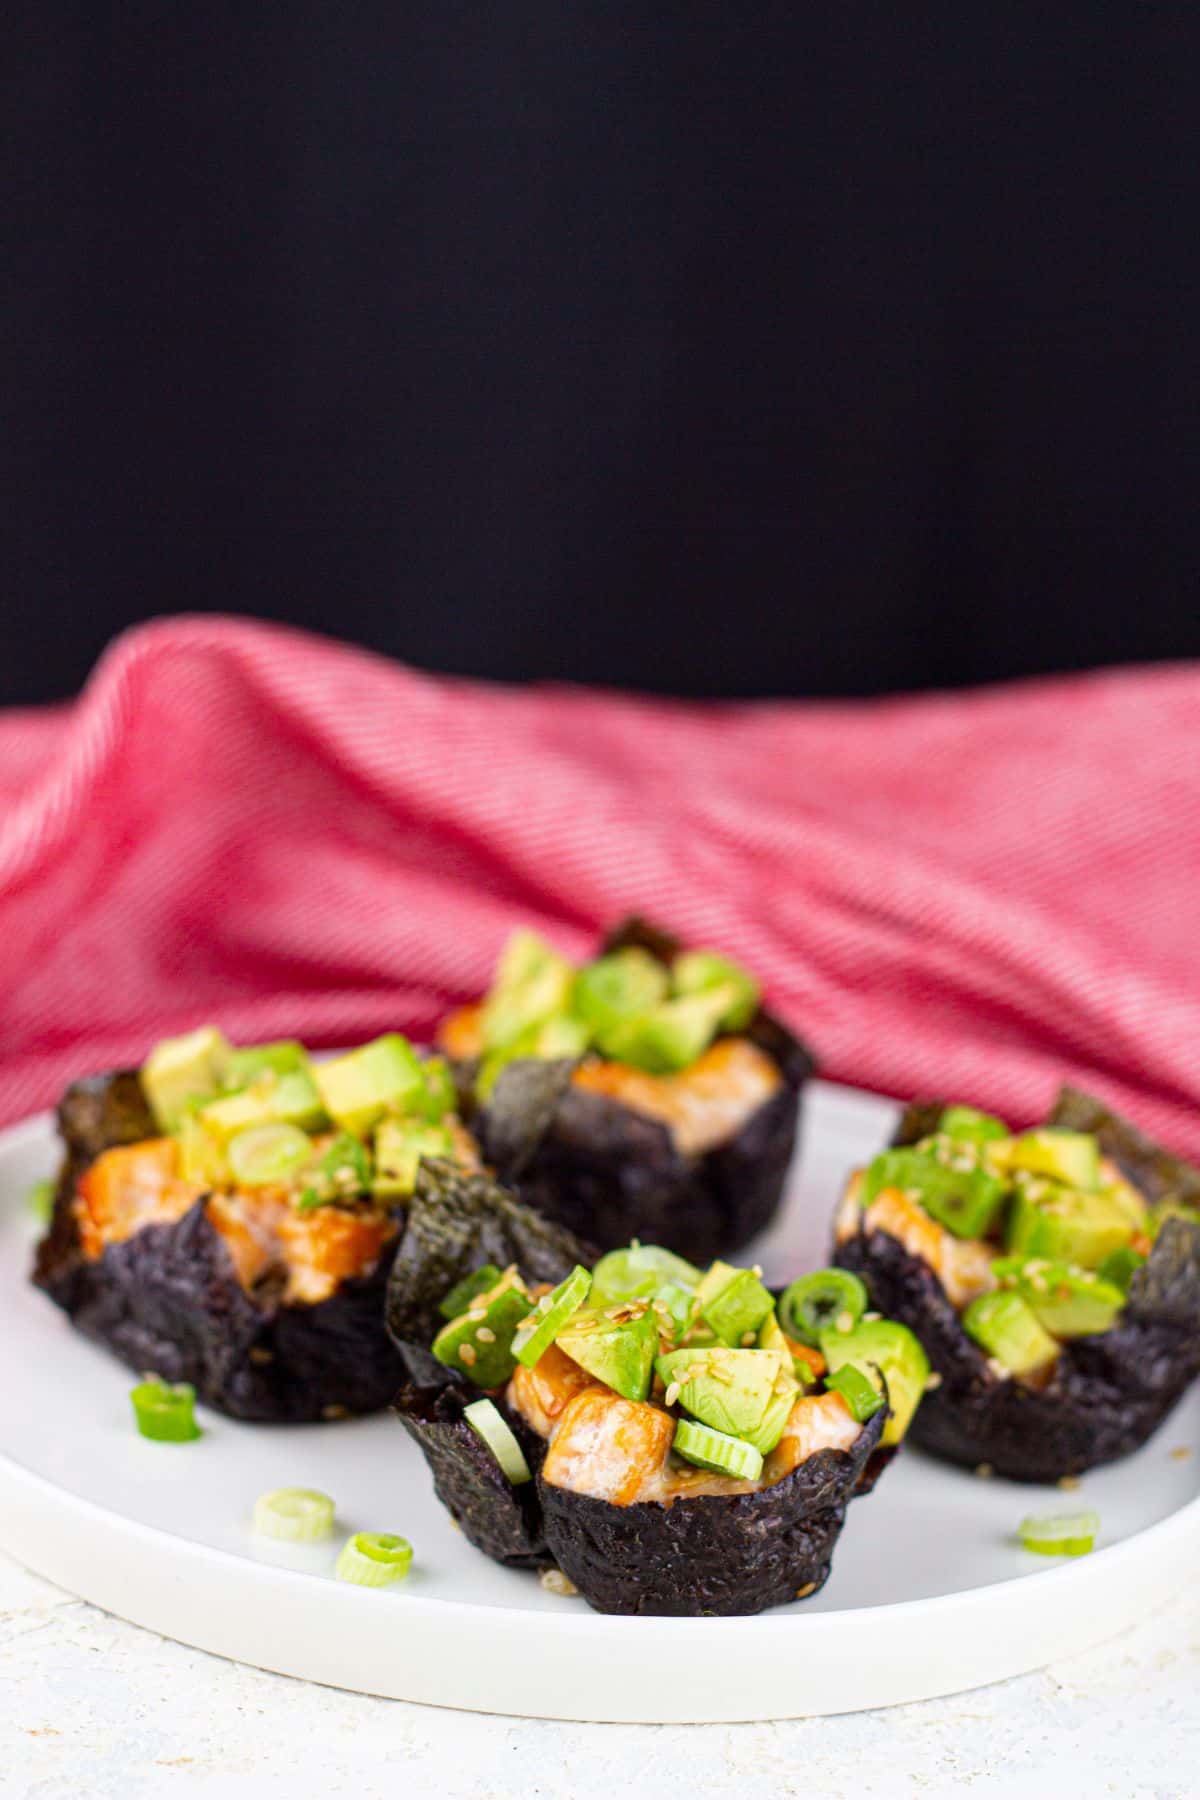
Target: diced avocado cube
<point x="440" y="1098"/>
<point x="359" y="1088"/>
<point x="771" y="1335"/>
<point x="269" y="1100"/>
<point x="1071" y="1157"/>
<point x="181" y="1070"/>
<point x="886" y="1345"/>
<point x="1063" y="1226"/>
<point x="1120" y="1266"/>
<point x="1132" y="1203"/>
<point x="1009" y="1330"/>
<point x="479" y="1342"/>
<point x="618" y="987"/>
<point x="619" y="1350"/>
<point x="678" y="1301"/>
<point x="399" y="1146"/>
<point x="285" y="1057"/>
<point x="638" y="1271"/>
<point x="463" y="1292"/>
<point x="735" y="1312"/>
<point x="671" y="1036"/>
<point x="701" y="971"/>
<point x="559" y="1037"/>
<point x="1069" y="1302"/>
<point x="532" y="981"/>
<point x="738" y="1391"/>
<point x="972" y="1127"/>
<point x="946" y="1180"/>
<point x="202" y="1155"/>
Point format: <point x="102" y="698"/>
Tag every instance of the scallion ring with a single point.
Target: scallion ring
<point x="374" y="1559"/>
<point x="164" y="1411"/>
<point x="1060" y="1534"/>
<point x="294" y="1515"/>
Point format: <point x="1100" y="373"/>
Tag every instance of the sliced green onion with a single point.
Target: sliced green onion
<point x="463" y="1292"/>
<point x="1060" y="1534"/>
<point x="857" y="1390"/>
<point x="827" y="1299"/>
<point x="267" y="1155"/>
<point x="550" y="1315"/>
<point x="41" y="1200"/>
<point x="374" y="1559"/>
<point x="487" y="1419"/>
<point x="638" y="1272"/>
<point x="717" y="1450"/>
<point x="294" y="1515"/>
<point x="164" y="1411"/>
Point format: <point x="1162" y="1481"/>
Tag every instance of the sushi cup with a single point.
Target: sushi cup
<point x="1095" y="1395"/>
<point x="696" y="1159"/>
<point x="574" y="1475"/>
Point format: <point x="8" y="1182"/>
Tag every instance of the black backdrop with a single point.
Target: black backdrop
<point x="783" y="349"/>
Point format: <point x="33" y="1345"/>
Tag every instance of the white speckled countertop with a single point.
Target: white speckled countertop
<point x="91" y="1707"/>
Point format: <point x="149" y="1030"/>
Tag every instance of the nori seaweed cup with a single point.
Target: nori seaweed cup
<point x="613" y="1174"/>
<point x="705" y="1554"/>
<point x="1108" y="1392"/>
<point x="168" y="1299"/>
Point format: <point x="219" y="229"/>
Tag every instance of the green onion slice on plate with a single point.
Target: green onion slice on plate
<point x="486" y="1419"/>
<point x="294" y="1515"/>
<point x="1060" y="1534"/>
<point x="165" y="1411"/>
<point x="374" y="1559"/>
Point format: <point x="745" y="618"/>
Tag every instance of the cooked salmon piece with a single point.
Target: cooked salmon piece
<point x="610" y="1448"/>
<point x="127" y="1187"/>
<point x="816" y="1422"/>
<point x="541" y="1394"/>
<point x="328" y="1244"/>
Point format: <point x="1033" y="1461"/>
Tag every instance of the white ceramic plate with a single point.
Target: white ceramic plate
<point x="929" y="1592"/>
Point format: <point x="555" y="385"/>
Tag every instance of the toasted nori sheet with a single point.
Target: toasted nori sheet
<point x="713" y="1554"/>
<point x="503" y="1521"/>
<point x="710" y="1554"/>
<point x="612" y="1174"/>
<point x="168" y="1299"/>
<point x="1108" y="1393"/>
<point x="459" y="1220"/>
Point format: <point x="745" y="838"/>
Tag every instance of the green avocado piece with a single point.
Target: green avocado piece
<point x="946" y="1180"/>
<point x="531" y="982"/>
<point x="399" y="1146"/>
<point x="479" y="1342"/>
<point x="618" y="987"/>
<point x="618" y="1350"/>
<point x="639" y="1271"/>
<point x="439" y="1098"/>
<point x="970" y="1126"/>
<point x="701" y="971"/>
<point x="381" y="1077"/>
<point x="284" y="1057"/>
<point x="1063" y="1226"/>
<point x="1069" y="1302"/>
<point x="1008" y="1329"/>
<point x="1120" y="1266"/>
<point x="269" y="1100"/>
<point x="677" y="1299"/>
<point x="181" y="1070"/>
<point x="742" y="1392"/>
<point x="479" y="1281"/>
<point x="561" y="1036"/>
<point x="1072" y="1157"/>
<point x="737" y="1309"/>
<point x="884" y="1344"/>
<point x="670" y="1036"/>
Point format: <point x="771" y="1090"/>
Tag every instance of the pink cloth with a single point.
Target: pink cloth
<point x="974" y="895"/>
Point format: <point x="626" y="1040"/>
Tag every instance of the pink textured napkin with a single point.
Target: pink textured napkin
<point x="971" y="895"/>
